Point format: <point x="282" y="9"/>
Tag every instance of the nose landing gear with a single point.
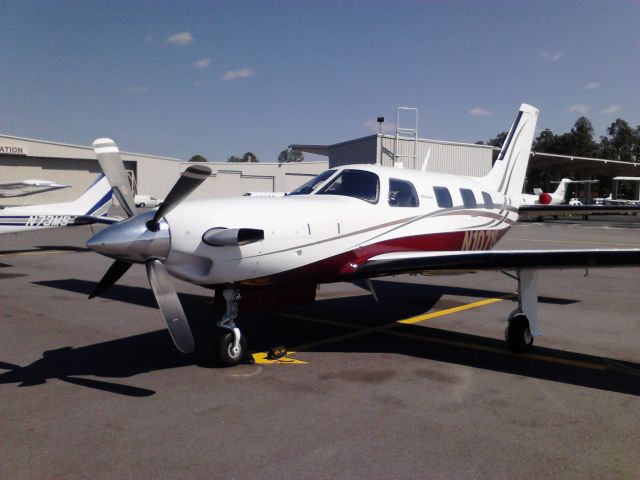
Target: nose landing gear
<point x="232" y="346"/>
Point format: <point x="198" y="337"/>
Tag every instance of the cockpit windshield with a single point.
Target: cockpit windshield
<point x="354" y="183"/>
<point x="313" y="184"/>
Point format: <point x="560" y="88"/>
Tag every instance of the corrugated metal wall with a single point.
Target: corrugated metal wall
<point x="455" y="158"/>
<point x="458" y="159"/>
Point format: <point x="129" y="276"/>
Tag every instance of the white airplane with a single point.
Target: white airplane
<point x="351" y="222"/>
<point x="557" y="197"/>
<point x="88" y="208"/>
<point x="22" y="188"/>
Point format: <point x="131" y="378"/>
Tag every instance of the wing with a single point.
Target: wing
<point x="565" y="210"/>
<point x="27" y="187"/>
<point x="498" y="260"/>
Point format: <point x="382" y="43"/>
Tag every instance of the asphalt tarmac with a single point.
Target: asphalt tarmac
<point x="418" y="385"/>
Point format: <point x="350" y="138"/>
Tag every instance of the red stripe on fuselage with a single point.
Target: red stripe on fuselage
<point x="343" y="266"/>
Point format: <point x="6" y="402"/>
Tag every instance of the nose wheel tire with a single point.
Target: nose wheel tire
<point x="518" y="334"/>
<point x="229" y="356"/>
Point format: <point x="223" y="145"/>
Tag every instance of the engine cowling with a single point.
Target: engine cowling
<point x="544" y="198"/>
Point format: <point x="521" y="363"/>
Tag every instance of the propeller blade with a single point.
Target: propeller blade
<point x="109" y="158"/>
<point x="170" y="306"/>
<point x="187" y="183"/>
<point x="116" y="270"/>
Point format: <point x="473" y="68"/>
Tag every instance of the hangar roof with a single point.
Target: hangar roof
<point x="587" y="166"/>
<point x="13" y="145"/>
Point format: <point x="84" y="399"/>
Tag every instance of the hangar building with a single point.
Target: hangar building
<point x="77" y="166"/>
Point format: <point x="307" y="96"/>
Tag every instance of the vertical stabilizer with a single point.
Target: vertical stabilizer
<point x="95" y="199"/>
<point x="509" y="170"/>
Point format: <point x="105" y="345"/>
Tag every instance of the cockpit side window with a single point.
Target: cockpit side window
<point x="313" y="184"/>
<point x="354" y="183"/>
<point x="402" y="194"/>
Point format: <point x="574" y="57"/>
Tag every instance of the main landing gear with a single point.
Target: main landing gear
<point x="232" y="346"/>
<point x="523" y="321"/>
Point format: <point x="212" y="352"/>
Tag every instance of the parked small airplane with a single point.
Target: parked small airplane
<point x="22" y="188"/>
<point x="88" y="208"/>
<point x="348" y="223"/>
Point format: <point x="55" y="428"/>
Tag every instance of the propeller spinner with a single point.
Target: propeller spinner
<point x="144" y="238"/>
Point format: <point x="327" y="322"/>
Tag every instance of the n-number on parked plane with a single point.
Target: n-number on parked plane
<point x="352" y="222"/>
<point x="86" y="209"/>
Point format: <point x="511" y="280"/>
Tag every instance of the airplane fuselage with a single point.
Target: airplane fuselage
<point x="327" y="237"/>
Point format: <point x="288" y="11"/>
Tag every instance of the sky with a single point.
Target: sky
<point x="221" y="78"/>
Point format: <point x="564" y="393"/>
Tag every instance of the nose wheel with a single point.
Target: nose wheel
<point x="230" y="354"/>
<point x="232" y="346"/>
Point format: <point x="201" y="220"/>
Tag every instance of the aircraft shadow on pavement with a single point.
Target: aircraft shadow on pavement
<point x="351" y="324"/>
<point x="45" y="248"/>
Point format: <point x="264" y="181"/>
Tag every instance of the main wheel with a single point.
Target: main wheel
<point x="518" y="334"/>
<point x="142" y="205"/>
<point x="228" y="356"/>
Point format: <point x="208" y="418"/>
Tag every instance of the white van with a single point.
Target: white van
<point x="146" y="201"/>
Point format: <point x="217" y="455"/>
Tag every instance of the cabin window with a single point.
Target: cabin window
<point x="402" y="194"/>
<point x="313" y="184"/>
<point x="443" y="197"/>
<point x="354" y="183"/>
<point x="468" y="198"/>
<point x="488" y="201"/>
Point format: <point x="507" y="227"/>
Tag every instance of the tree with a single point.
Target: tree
<point x="546" y="142"/>
<point x="499" y="140"/>
<point x="247" y="157"/>
<point x="579" y="141"/>
<point x="198" y="158"/>
<point x="290" y="155"/>
<point x="621" y="143"/>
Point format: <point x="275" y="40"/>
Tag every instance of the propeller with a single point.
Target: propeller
<point x="144" y="239"/>
<point x="111" y="164"/>
<point x="116" y="270"/>
<point x="190" y="179"/>
<point x="170" y="306"/>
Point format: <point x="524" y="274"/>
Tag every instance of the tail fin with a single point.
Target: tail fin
<point x="507" y="174"/>
<point x="95" y="199"/>
<point x="561" y="191"/>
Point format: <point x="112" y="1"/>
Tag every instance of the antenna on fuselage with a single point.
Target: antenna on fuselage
<point x="425" y="163"/>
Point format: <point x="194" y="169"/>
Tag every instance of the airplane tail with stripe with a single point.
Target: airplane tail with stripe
<point x="95" y="199"/>
<point x="509" y="170"/>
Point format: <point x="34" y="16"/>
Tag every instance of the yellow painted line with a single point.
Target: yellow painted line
<point x="388" y="329"/>
<point x="261" y="359"/>
<point x="448" y="311"/>
<point x="629" y="245"/>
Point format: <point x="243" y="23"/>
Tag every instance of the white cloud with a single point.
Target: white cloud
<point x="202" y="63"/>
<point x="374" y="127"/>
<point x="137" y="89"/>
<point x="612" y="109"/>
<point x="234" y="74"/>
<point x="182" y="38"/>
<point x="148" y="39"/>
<point x="578" y="108"/>
<point x="592" y="86"/>
<point x="479" y="112"/>
<point x="551" y="56"/>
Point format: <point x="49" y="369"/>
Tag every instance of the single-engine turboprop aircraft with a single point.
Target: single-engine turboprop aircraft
<point x="351" y="222"/>
<point x="86" y="209"/>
